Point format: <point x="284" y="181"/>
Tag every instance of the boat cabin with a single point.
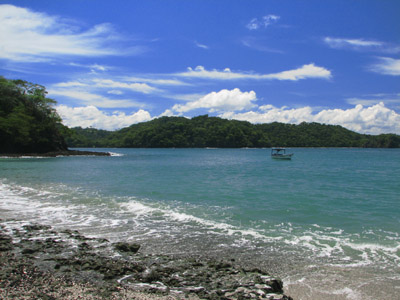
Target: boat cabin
<point x="280" y="153"/>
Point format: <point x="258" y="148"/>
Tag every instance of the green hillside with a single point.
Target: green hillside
<point x="205" y="131"/>
<point x="28" y="122"/>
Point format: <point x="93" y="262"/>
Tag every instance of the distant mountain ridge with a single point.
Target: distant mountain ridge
<point x="204" y="131"/>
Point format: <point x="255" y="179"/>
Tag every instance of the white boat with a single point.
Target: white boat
<point x="280" y="153"/>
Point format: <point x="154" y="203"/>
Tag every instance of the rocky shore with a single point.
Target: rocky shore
<point x="37" y="262"/>
<point x="57" y="153"/>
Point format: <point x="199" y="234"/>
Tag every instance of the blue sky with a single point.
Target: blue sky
<point x="110" y="64"/>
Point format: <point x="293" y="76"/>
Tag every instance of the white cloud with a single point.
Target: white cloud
<point x="70" y="84"/>
<point x="264" y="22"/>
<point x="92" y="67"/>
<point x="233" y="100"/>
<point x="375" y="119"/>
<point x="157" y="81"/>
<point x="260" y="44"/>
<point x="201" y="45"/>
<point x="91" y="116"/>
<point x="94" y="99"/>
<point x="369" y="100"/>
<point x="269" y="114"/>
<point x="28" y="36"/>
<point x="304" y="72"/>
<point x="104" y="83"/>
<point x="226" y="74"/>
<point x="115" y="92"/>
<point x="343" y="43"/>
<point x="136" y="87"/>
<point x="361" y="45"/>
<point x="387" y="66"/>
<point x="168" y="113"/>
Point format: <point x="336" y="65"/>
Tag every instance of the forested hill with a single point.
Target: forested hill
<point x="28" y="122"/>
<point x="205" y="131"/>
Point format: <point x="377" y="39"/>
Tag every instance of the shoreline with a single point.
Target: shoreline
<point x="37" y="261"/>
<point x="56" y="154"/>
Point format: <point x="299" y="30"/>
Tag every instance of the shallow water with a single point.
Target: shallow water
<point x="327" y="222"/>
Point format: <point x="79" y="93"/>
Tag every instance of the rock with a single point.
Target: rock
<point x="32" y="227"/>
<point x="71" y="255"/>
<point x="264" y="287"/>
<point x="84" y="246"/>
<point x="131" y="248"/>
<point x="28" y="251"/>
<point x="5" y="243"/>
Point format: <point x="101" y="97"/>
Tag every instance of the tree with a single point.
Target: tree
<point x="28" y="120"/>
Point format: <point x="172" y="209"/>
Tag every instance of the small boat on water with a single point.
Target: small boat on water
<point x="280" y="153"/>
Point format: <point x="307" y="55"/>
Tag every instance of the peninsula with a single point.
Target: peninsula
<point x="29" y="125"/>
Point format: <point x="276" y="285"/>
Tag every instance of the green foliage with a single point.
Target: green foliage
<point x="28" y="122"/>
<point x="205" y="131"/>
<point x="89" y="137"/>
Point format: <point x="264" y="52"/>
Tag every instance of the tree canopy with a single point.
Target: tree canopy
<point x="205" y="131"/>
<point x="28" y="121"/>
<point x="30" y="124"/>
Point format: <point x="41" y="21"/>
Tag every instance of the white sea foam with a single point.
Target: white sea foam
<point x="116" y="154"/>
<point x="348" y="293"/>
<point x="62" y="206"/>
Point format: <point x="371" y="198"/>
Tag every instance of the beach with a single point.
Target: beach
<point x="325" y="223"/>
<point x="38" y="262"/>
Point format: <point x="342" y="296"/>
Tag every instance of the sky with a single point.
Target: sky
<point x="111" y="64"/>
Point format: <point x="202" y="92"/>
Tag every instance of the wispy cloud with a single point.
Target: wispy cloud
<point x="361" y="45"/>
<point x="259" y="44"/>
<point x="263" y="22"/>
<point x="29" y="36"/>
<point x="156" y="80"/>
<point x="94" y="99"/>
<point x="201" y="45"/>
<point x="343" y="43"/>
<point x="368" y="100"/>
<point x="92" y="67"/>
<point x="304" y="72"/>
<point x="386" y="66"/>
<point x="136" y="87"/>
<point x="107" y="83"/>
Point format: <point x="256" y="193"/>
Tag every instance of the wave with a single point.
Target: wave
<point x="130" y="217"/>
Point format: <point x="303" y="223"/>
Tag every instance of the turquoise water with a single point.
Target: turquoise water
<point x="326" y="215"/>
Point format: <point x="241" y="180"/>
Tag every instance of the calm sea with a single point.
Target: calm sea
<point x="327" y="222"/>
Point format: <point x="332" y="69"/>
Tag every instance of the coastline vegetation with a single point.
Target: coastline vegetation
<point x="28" y="121"/>
<point x="30" y="124"/>
<point x="204" y="131"/>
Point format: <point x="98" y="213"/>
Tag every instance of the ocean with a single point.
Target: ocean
<point x="327" y="222"/>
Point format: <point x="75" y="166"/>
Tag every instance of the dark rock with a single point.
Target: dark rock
<point x="28" y="251"/>
<point x="84" y="246"/>
<point x="33" y="227"/>
<point x="5" y="242"/>
<point x="90" y="262"/>
<point x="56" y="153"/>
<point x="131" y="248"/>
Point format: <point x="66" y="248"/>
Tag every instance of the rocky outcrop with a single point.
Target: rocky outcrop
<point x="58" y="153"/>
<point x="72" y="257"/>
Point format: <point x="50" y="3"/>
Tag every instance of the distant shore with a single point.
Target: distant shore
<point x="57" y="153"/>
<point x="38" y="262"/>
